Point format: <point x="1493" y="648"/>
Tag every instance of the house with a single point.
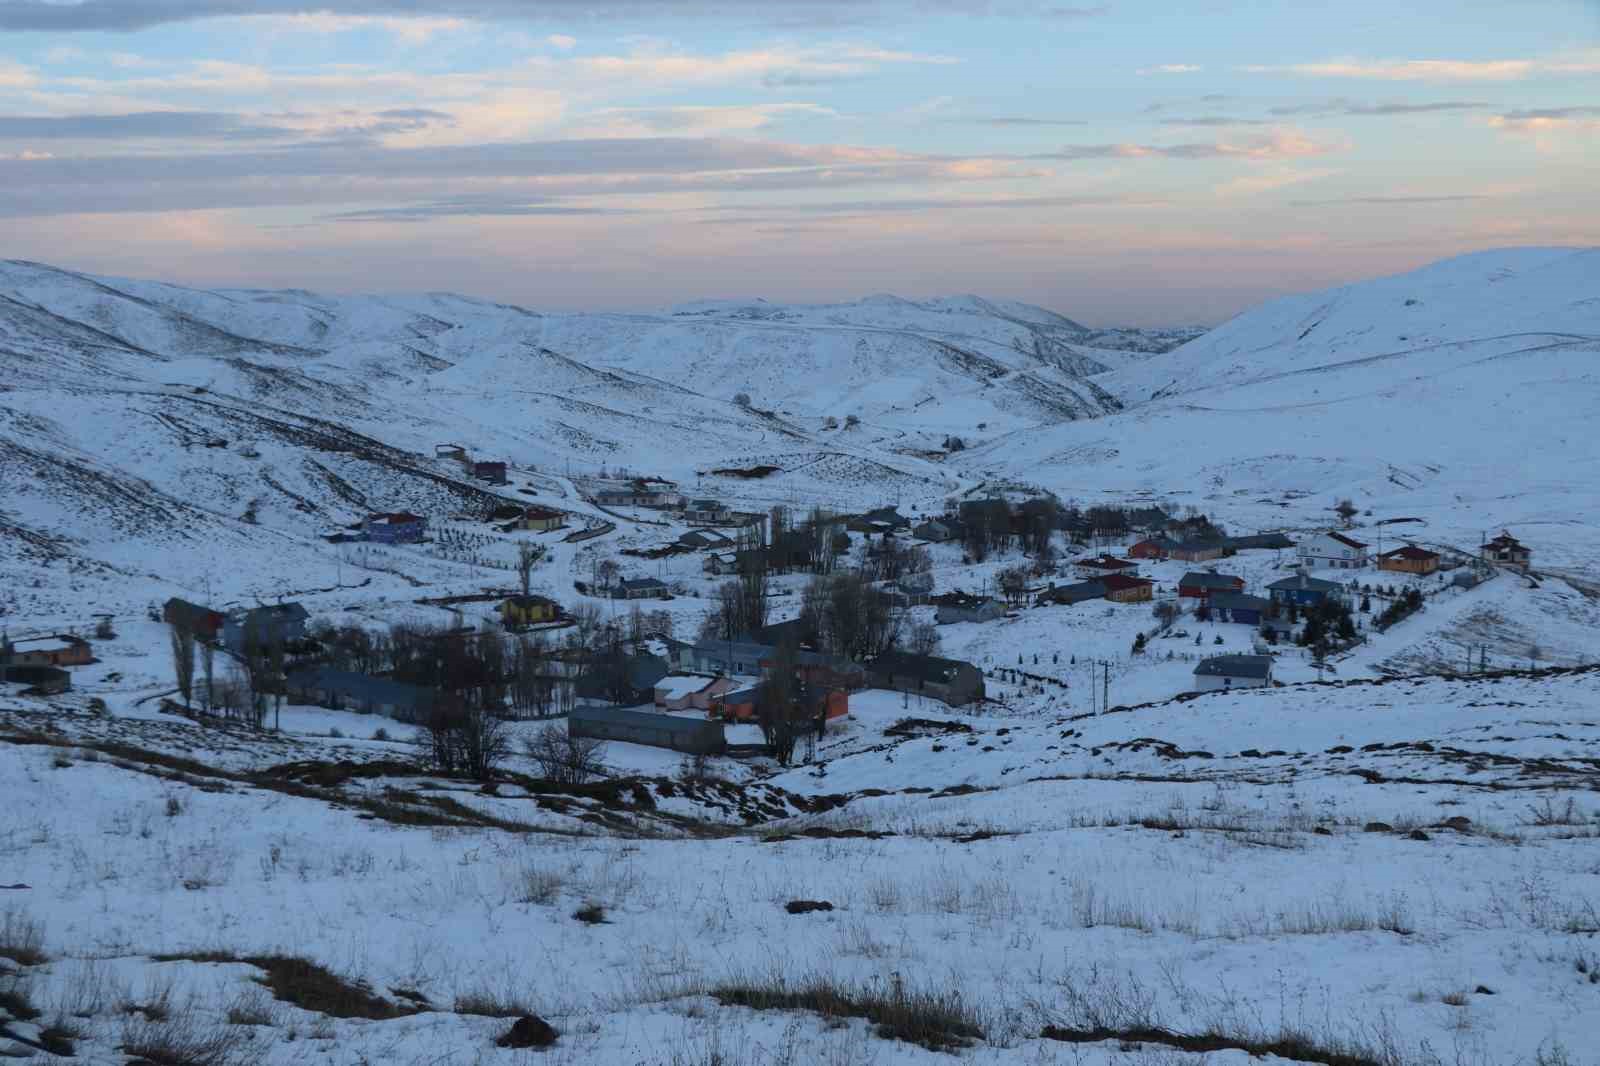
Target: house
<point x="705" y="512"/>
<point x="1260" y="542"/>
<point x="917" y="589"/>
<point x="1333" y="551"/>
<point x="492" y="472"/>
<point x="1303" y="591"/>
<point x="691" y="735"/>
<point x="1409" y="560"/>
<point x="205" y="623"/>
<point x="676" y="692"/>
<point x="738" y="702"/>
<point x="711" y="695"/>
<point x="1148" y="519"/>
<point x="348" y="690"/>
<point x="1506" y="550"/>
<point x="719" y="563"/>
<point x="1121" y="588"/>
<point x="640" y="494"/>
<point x="1233" y="671"/>
<point x="43" y="680"/>
<point x="1105" y="564"/>
<point x="950" y="681"/>
<point x="402" y="527"/>
<point x="1153" y="548"/>
<point x="887" y="516"/>
<point x="1201" y="551"/>
<point x="60" y="650"/>
<point x="1200" y="584"/>
<point x="961" y="607"/>
<point x="641" y="588"/>
<point x="1238" y="608"/>
<point x="538" y="520"/>
<point x="1068" y="595"/>
<point x="933" y="532"/>
<point x="518" y="611"/>
<point x="278" y="623"/>
<point x="731" y="657"/>
<point x="705" y="538"/>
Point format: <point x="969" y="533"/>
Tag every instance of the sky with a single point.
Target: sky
<point x="1136" y="162"/>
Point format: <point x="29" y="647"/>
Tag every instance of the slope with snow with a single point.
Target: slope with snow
<point x="1462" y="394"/>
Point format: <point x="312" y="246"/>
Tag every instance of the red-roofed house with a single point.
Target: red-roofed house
<point x="1095" y="569"/>
<point x="1120" y="588"/>
<point x="1507" y="550"/>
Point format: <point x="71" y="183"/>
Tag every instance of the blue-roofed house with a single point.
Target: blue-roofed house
<point x="1303" y="591"/>
<point x="1239" y="608"/>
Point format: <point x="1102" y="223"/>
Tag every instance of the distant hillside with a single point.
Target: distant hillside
<point x="1463" y="393"/>
<point x="137" y="418"/>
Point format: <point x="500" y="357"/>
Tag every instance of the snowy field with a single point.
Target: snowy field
<point x="1407" y="871"/>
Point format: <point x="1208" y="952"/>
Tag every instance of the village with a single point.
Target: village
<point x="762" y="634"/>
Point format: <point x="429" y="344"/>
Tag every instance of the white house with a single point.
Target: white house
<point x="1333" y="551"/>
<point x="1233" y="671"/>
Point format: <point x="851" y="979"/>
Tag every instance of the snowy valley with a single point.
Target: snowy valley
<point x="1378" y="847"/>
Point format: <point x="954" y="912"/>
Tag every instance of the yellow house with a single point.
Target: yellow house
<point x="527" y="610"/>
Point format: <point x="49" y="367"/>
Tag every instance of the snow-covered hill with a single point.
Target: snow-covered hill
<point x="1463" y="394"/>
<point x="139" y="420"/>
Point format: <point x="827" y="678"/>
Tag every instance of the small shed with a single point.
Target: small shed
<point x="1233" y="671"/>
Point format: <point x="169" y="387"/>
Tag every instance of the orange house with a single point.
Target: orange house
<point x="1409" y="560"/>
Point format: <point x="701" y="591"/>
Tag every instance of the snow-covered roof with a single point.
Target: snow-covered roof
<point x="677" y="686"/>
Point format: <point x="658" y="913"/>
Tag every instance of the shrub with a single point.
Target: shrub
<point x="185" y="1038"/>
<point x="539" y="885"/>
<point x="936" y="1020"/>
<point x="487" y="1003"/>
<point x="309" y="986"/>
<point x="21" y="939"/>
<point x="590" y="913"/>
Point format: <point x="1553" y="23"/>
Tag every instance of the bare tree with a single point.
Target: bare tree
<point x="208" y="672"/>
<point x="182" y="635"/>
<point x="1013" y="582"/>
<point x="528" y="556"/>
<point x="607" y="571"/>
<point x="781" y="710"/>
<point x="924" y="639"/>
<point x="564" y="758"/>
<point x="483" y="741"/>
<point x="849" y="616"/>
<point x="1346" y="509"/>
<point x="437" y="737"/>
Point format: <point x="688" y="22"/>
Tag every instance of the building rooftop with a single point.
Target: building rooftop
<point x="1248" y="666"/>
<point x="683" y="725"/>
<point x="1210" y="579"/>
